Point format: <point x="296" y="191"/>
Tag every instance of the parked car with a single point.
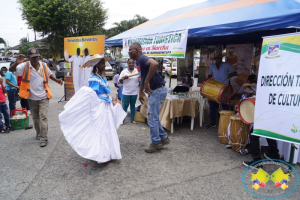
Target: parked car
<point x="123" y="64"/>
<point x="113" y="64"/>
<point x="3" y="59"/>
<point x="166" y="63"/>
<point x="108" y="71"/>
<point x="11" y="59"/>
<point x="174" y="69"/>
<point x="60" y="69"/>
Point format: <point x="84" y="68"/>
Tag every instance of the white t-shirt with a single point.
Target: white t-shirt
<point x="130" y="85"/>
<point x="37" y="88"/>
<point x="116" y="80"/>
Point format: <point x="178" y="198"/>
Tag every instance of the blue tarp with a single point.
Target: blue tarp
<point x="222" y="21"/>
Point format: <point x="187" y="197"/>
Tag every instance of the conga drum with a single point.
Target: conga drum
<point x="246" y="110"/>
<point x="238" y="133"/>
<point x="223" y="125"/>
<point x="216" y="91"/>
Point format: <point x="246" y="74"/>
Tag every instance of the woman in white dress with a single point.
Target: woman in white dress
<point x="90" y="121"/>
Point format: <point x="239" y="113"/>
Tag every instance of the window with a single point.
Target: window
<point x="124" y="65"/>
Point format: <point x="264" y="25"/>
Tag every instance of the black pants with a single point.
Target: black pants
<point x="24" y="103"/>
<point x="255" y="147"/>
<point x="178" y="89"/>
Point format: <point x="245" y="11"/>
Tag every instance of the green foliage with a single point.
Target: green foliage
<point x="2" y="41"/>
<point x="23" y="40"/>
<point x="25" y="45"/>
<point x="125" y="25"/>
<point x="64" y="18"/>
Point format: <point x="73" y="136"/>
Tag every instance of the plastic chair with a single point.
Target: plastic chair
<point x="195" y="94"/>
<point x="203" y="103"/>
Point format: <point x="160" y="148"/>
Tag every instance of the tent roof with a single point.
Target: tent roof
<point x="233" y="20"/>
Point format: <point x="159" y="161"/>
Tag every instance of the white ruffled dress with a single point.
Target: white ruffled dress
<point x="90" y="122"/>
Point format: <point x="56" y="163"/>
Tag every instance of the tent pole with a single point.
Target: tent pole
<point x="171" y="72"/>
<point x="292" y="153"/>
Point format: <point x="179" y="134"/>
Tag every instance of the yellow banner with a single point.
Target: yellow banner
<point x="94" y="43"/>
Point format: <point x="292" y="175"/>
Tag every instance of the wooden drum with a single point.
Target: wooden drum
<point x="223" y="125"/>
<point x="216" y="91"/>
<point x="238" y="133"/>
<point x="246" y="110"/>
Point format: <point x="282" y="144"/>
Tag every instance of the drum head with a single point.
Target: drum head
<point x="227" y="112"/>
<point x="235" y="117"/>
<point x="246" y="111"/>
<point x="226" y="94"/>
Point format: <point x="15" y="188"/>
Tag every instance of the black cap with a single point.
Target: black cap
<point x="32" y="52"/>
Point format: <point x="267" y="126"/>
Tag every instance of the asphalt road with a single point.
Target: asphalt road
<point x="193" y="166"/>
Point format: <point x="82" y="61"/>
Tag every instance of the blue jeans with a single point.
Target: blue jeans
<point x="214" y="107"/>
<point x="12" y="99"/>
<point x="4" y="111"/>
<point x="120" y="90"/>
<point x="155" y="99"/>
<point x="129" y="99"/>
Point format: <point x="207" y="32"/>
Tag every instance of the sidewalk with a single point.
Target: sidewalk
<point x="193" y="166"/>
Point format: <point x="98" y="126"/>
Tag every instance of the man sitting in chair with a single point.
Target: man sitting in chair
<point x="187" y="83"/>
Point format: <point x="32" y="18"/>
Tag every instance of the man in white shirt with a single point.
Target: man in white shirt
<point x="36" y="89"/>
<point x="78" y="72"/>
<point x="87" y="70"/>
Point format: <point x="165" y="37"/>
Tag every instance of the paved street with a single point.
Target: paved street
<point x="193" y="166"/>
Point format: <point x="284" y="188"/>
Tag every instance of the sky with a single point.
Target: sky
<point x="13" y="28"/>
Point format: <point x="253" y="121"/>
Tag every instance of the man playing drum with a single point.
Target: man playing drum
<point x="222" y="72"/>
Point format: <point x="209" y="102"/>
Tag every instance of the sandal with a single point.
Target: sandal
<point x="134" y="122"/>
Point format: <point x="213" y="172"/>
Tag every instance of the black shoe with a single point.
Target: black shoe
<point x="247" y="163"/>
<point x="38" y="136"/>
<point x="270" y="156"/>
<point x="212" y="124"/>
<point x="10" y="129"/>
<point x="44" y="143"/>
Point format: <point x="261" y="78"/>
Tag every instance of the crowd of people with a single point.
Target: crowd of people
<point x="17" y="86"/>
<point x="91" y="118"/>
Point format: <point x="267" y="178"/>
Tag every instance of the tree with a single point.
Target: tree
<point x="3" y="50"/>
<point x="2" y="41"/>
<point x="64" y="18"/>
<point x="25" y="45"/>
<point x="23" y="40"/>
<point x="125" y="25"/>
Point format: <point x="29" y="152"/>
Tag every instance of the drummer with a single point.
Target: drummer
<point x="249" y="91"/>
<point x="222" y="72"/>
